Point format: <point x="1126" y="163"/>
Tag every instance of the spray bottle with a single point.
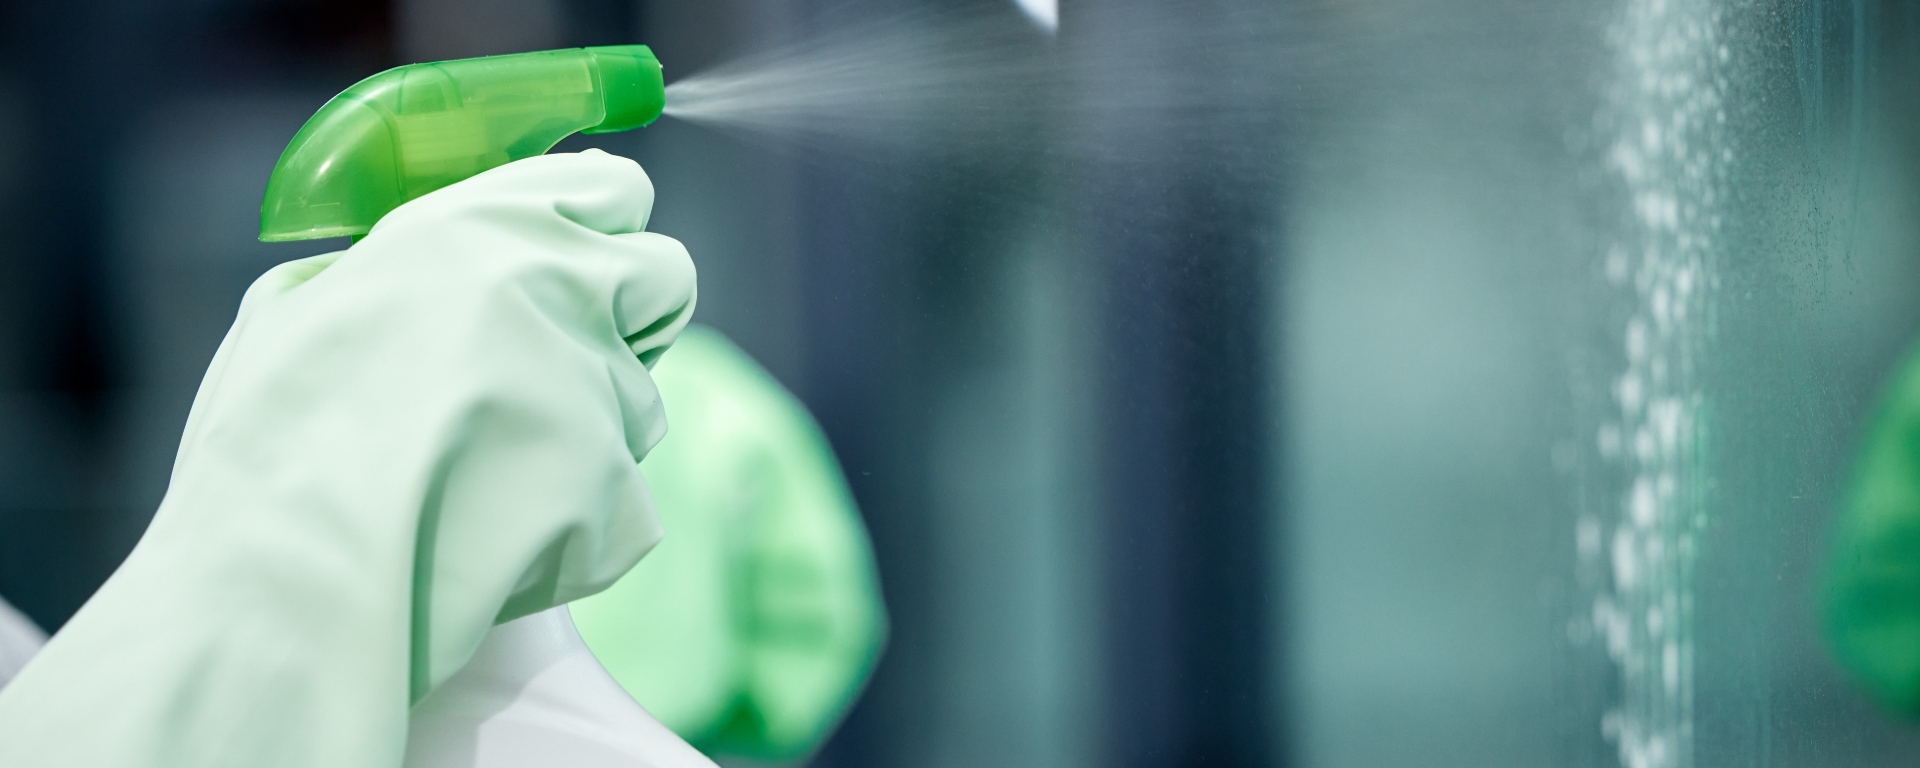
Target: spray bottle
<point x="533" y="686"/>
<point x="411" y="130"/>
<point x="408" y="131"/>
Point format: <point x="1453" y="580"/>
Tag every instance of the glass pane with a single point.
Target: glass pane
<point x="1587" y="310"/>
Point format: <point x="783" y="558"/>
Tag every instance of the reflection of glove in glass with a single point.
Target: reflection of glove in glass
<point x="756" y="622"/>
<point x="395" y="447"/>
<point x="1873" y="596"/>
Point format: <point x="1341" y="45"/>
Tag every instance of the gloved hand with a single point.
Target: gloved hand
<point x="396" y="447"/>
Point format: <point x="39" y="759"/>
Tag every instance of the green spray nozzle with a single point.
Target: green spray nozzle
<point x="411" y="130"/>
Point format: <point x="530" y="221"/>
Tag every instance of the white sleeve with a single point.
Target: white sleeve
<point x="20" y="638"/>
<point x="534" y="696"/>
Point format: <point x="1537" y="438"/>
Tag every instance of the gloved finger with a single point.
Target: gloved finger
<point x="601" y="192"/>
<point x="588" y="210"/>
<point x="653" y="296"/>
<point x="655" y="293"/>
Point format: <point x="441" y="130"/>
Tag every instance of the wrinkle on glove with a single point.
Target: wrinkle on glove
<point x="396" y="447"/>
<point x="753" y="629"/>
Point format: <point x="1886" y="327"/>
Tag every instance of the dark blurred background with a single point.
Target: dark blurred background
<point x="1262" y="439"/>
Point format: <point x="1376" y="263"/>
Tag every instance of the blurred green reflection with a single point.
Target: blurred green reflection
<point x="751" y="628"/>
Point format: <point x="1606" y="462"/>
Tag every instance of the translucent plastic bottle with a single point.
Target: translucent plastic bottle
<point x="411" y="130"/>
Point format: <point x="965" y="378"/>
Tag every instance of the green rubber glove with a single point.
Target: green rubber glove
<point x="1873" y="593"/>
<point x="753" y="627"/>
<point x="396" y="447"/>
